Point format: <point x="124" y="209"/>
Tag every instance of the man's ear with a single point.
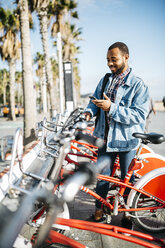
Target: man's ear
<point x="127" y="56"/>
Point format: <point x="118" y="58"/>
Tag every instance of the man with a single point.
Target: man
<point x="122" y="112"/>
<point x="148" y="120"/>
<point x="164" y="102"/>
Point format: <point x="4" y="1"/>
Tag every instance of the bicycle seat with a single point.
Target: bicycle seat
<point x="153" y="138"/>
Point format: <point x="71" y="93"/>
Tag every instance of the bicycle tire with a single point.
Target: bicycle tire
<point x="151" y="221"/>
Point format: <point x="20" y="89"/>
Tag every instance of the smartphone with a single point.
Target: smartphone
<point x="92" y="97"/>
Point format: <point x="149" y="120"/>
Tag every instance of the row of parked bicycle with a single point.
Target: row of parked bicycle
<point x="41" y="195"/>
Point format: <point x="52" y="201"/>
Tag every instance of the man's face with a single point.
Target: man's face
<point x="117" y="61"/>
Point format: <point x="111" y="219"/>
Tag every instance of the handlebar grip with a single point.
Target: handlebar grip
<point x="73" y="184"/>
<point x="90" y="139"/>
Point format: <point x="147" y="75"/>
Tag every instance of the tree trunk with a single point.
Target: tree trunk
<point x="12" y="89"/>
<point x="67" y="53"/>
<point x="44" y="92"/>
<point x="60" y="69"/>
<point x="4" y="96"/>
<point x="28" y="86"/>
<point x="49" y="76"/>
<point x="19" y="93"/>
<point x="4" y="90"/>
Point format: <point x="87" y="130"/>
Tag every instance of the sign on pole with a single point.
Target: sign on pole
<point x="68" y="86"/>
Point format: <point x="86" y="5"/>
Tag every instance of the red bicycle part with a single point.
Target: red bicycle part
<point x="110" y="230"/>
<point x="55" y="237"/>
<point x="151" y="162"/>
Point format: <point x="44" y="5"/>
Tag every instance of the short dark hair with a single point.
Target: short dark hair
<point x="122" y="47"/>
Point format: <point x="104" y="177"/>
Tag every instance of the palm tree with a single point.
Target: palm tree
<point x="9" y="50"/>
<point x="40" y="72"/>
<point x="76" y="76"/>
<point x="71" y="35"/>
<point x="41" y="6"/>
<point x="27" y="74"/>
<point x="18" y="79"/>
<point x="54" y="65"/>
<point x="60" y="9"/>
<point x="4" y="80"/>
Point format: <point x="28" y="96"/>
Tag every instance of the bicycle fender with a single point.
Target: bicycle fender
<point x="150" y="162"/>
<point x="143" y="181"/>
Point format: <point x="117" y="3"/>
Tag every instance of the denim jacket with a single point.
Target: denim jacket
<point x="127" y="114"/>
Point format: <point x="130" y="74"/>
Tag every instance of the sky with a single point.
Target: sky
<point x="138" y="23"/>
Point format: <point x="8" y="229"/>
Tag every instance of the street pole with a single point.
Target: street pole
<point x="44" y="92"/>
<point x="60" y="66"/>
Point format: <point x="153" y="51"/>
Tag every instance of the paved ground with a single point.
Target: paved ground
<point x="8" y="127"/>
<point x="7" y="132"/>
<point x="157" y="125"/>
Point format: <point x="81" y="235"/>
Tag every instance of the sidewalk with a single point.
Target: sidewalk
<point x="82" y="208"/>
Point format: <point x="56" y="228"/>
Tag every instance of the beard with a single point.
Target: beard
<point x="120" y="69"/>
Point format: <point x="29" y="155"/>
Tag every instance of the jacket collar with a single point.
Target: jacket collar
<point x="129" y="78"/>
<point x="128" y="81"/>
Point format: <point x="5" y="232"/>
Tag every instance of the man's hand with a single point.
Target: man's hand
<point x="87" y="116"/>
<point x="104" y="104"/>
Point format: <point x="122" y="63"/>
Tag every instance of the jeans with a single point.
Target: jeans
<point x="102" y="187"/>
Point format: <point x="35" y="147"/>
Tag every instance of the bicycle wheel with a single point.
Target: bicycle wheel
<point x="151" y="220"/>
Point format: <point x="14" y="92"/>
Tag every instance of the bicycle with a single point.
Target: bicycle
<point x="44" y="194"/>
